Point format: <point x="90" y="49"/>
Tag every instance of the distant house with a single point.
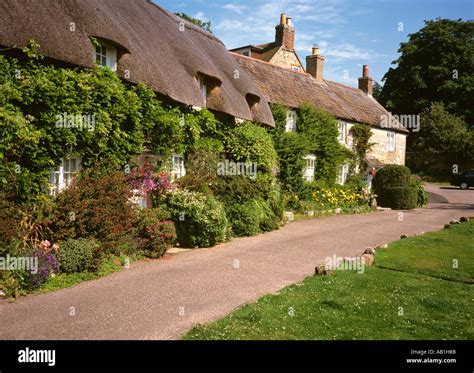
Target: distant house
<point x="281" y="77"/>
<point x="142" y="43"/>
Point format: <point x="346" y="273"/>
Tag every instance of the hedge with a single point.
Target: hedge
<point x="399" y="198"/>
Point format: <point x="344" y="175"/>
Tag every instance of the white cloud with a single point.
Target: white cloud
<point x="235" y="7"/>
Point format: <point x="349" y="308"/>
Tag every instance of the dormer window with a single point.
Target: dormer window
<point x="291" y="121"/>
<point x="105" y="55"/>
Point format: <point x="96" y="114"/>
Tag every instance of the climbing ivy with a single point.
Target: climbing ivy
<point x="317" y="133"/>
<point x="123" y="120"/>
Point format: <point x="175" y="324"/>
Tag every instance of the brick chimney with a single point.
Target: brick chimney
<point x="285" y="33"/>
<point x="315" y="64"/>
<point x="366" y="82"/>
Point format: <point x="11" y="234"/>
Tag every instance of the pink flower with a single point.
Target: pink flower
<point x="46" y="244"/>
<point x="55" y="247"/>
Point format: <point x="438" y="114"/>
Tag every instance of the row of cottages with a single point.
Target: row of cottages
<point x="142" y="43"/>
<point x="280" y="75"/>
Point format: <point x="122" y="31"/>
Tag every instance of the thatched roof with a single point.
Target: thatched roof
<point x="285" y="86"/>
<point x="154" y="49"/>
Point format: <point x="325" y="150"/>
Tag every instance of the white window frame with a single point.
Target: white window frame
<point x="391" y="141"/>
<point x="291" y="118"/>
<point x="342" y="132"/>
<point x="343" y="174"/>
<point x="178" y="168"/>
<point x="62" y="176"/>
<point x="106" y="55"/>
<point x="203" y="89"/>
<point x="308" y="172"/>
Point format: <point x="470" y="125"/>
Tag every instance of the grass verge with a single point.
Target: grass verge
<point x="414" y="292"/>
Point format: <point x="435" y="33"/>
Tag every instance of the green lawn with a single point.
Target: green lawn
<point x="413" y="292"/>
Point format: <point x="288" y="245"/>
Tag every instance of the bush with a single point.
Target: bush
<point x="98" y="206"/>
<point x="399" y="198"/>
<point x="251" y="143"/>
<point x="423" y="197"/>
<point x="47" y="265"/>
<point x="393" y="187"/>
<point x="200" y="221"/>
<point x="81" y="255"/>
<point x="391" y="176"/>
<point x="244" y="218"/>
<point x="155" y="232"/>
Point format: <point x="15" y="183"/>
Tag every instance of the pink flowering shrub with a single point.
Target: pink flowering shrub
<point x="146" y="180"/>
<point x="155" y="232"/>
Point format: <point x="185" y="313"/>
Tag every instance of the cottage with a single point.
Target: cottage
<point x="282" y="79"/>
<point x="142" y="43"/>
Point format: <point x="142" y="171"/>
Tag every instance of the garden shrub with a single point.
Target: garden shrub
<point x="399" y="198"/>
<point x="200" y="220"/>
<point x="245" y="218"/>
<point x="79" y="255"/>
<point x="155" y="232"/>
<point x="47" y="265"/>
<point x="252" y="143"/>
<point x="391" y="176"/>
<point x="97" y="205"/>
<point x="394" y="188"/>
<point x="423" y="197"/>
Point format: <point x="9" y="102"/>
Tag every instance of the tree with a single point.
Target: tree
<point x="206" y="25"/>
<point x="443" y="141"/>
<point x="435" y="65"/>
<point x="377" y="90"/>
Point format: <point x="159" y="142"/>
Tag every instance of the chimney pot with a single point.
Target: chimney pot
<point x="285" y="33"/>
<point x="366" y="82"/>
<point x="315" y="64"/>
<point x="365" y="71"/>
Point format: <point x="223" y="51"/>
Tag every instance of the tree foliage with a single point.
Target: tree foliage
<point x="206" y="25"/>
<point x="435" y="65"/>
<point x="443" y="141"/>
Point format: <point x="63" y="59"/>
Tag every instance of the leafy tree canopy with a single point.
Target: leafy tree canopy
<point x="435" y="65"/>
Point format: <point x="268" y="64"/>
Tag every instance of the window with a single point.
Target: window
<point x="291" y="121"/>
<point x="62" y="176"/>
<point x="343" y="173"/>
<point x="203" y="89"/>
<point x="106" y="55"/>
<point x="246" y="53"/>
<point x="391" y="141"/>
<point x="178" y="166"/>
<point x="342" y="132"/>
<point x="308" y="173"/>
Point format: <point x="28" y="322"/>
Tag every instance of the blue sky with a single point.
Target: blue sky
<point x="350" y="33"/>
